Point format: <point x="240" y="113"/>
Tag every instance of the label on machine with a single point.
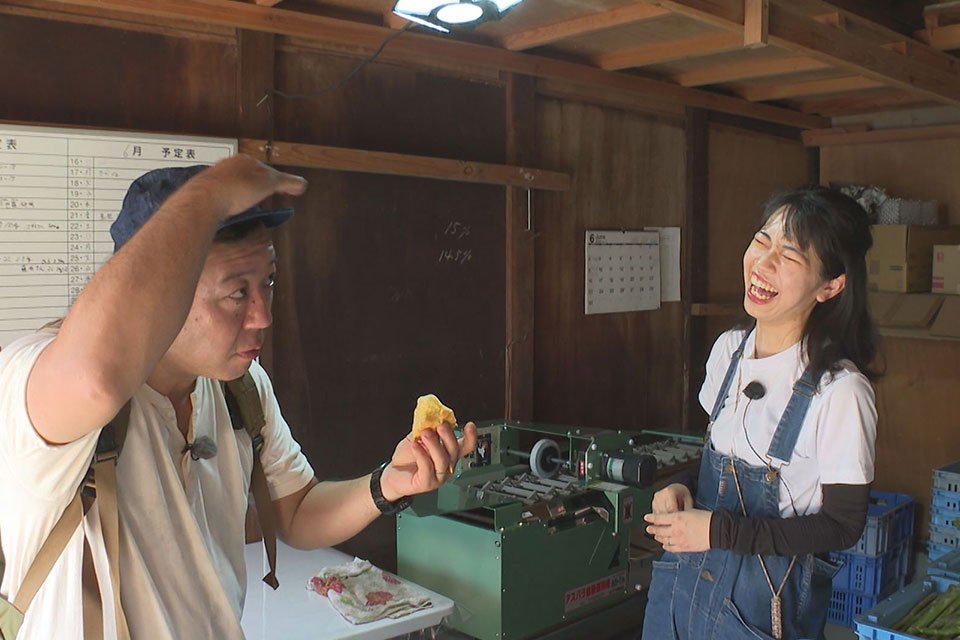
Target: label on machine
<point x="596" y="590"/>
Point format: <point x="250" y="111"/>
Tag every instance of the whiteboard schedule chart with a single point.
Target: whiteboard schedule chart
<point x="60" y="190"/>
<point x="622" y="271"/>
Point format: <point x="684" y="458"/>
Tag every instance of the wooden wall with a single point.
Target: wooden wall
<point x="370" y="311"/>
<point x="917" y="399"/>
<point x="745" y="168"/>
<point x="368" y="315"/>
<point x="618" y="370"/>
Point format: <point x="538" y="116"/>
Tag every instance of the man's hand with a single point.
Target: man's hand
<point x="424" y="464"/>
<point x="672" y="498"/>
<point x="682" y="531"/>
<point x="239" y="182"/>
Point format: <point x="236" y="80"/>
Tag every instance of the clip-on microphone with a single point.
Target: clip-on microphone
<point x="754" y="390"/>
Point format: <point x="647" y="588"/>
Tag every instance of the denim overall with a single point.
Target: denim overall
<point x="721" y="595"/>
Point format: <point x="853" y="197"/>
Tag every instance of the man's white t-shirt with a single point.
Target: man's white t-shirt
<point x="182" y="569"/>
<point x="836" y="443"/>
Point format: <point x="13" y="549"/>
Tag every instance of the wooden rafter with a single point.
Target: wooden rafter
<point x="943" y="38"/>
<point x="756" y="23"/>
<point x="866" y="102"/>
<point x="670" y="51"/>
<point x="850" y="51"/>
<point x="828" y="137"/>
<point x="935" y="15"/>
<point x="784" y="90"/>
<point x="538" y="36"/>
<point x="425" y="50"/>
<point x="750" y="70"/>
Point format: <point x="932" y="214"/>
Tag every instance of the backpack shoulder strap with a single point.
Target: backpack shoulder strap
<point x="246" y="412"/>
<point x="100" y="481"/>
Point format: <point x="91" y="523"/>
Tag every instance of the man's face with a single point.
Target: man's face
<point x="224" y="330"/>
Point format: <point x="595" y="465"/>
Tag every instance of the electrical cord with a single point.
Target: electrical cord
<point x="746" y="435"/>
<point x="270" y="94"/>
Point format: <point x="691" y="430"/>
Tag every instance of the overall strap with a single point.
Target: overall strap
<point x="788" y="429"/>
<point x="246" y="412"/>
<point x="728" y="379"/>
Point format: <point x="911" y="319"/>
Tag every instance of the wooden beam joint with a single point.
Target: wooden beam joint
<point x="756" y="23"/>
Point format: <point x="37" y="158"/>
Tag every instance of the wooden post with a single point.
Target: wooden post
<point x="255" y="58"/>
<point x="520" y="223"/>
<point x="694" y="256"/>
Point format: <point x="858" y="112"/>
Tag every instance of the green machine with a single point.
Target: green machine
<point x="532" y="541"/>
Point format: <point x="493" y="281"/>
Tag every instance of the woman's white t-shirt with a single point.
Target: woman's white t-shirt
<point x="836" y="443"/>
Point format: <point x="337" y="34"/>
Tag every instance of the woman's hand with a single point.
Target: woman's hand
<point x="681" y="531"/>
<point x="672" y="498"/>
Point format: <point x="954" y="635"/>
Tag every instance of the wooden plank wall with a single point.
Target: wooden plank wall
<point x="917" y="399"/>
<point x="746" y="168"/>
<point x="368" y="314"/>
<point x="373" y="315"/>
<point x="618" y="370"/>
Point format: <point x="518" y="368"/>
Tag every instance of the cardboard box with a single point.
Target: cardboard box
<point x="902" y="256"/>
<point x="946" y="269"/>
<point x="904" y="310"/>
<point x="948" y="320"/>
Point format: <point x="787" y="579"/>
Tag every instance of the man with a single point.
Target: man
<point x="182" y="305"/>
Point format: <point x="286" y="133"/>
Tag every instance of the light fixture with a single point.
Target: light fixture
<point x="444" y="15"/>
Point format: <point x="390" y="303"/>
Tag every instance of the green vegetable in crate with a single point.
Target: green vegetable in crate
<point x="908" y="619"/>
<point x="923" y="623"/>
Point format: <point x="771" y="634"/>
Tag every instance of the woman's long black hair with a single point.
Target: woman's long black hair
<point x="837" y="228"/>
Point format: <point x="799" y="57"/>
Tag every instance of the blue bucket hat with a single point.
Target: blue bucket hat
<point x="150" y="190"/>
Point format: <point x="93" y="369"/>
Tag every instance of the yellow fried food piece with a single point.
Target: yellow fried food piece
<point x="430" y="414"/>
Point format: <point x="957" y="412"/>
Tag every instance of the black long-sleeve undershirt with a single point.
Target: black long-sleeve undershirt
<point x="838" y="525"/>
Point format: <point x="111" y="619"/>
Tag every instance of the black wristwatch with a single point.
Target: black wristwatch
<point x="386" y="507"/>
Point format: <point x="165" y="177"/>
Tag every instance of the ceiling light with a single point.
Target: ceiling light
<point x="446" y="14"/>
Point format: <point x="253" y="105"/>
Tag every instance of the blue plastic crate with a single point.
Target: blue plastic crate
<point x="947" y="477"/>
<point x="938" y="551"/>
<point x="845" y="605"/>
<point x="944" y="517"/>
<point x="889" y="522"/>
<point x="871" y="575"/>
<point x="875" y="623"/>
<point x="949" y="536"/>
<point x="946" y="500"/>
<point x="947" y="566"/>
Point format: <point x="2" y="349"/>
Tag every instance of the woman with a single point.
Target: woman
<point x="789" y="456"/>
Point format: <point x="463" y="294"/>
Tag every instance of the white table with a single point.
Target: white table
<point x="294" y="613"/>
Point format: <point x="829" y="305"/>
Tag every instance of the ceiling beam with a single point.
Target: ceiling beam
<point x="856" y="54"/>
<point x="424" y="49"/>
<point x="750" y="70"/>
<point x="756" y="23"/>
<point x="829" y="137"/>
<point x="943" y="38"/>
<point x="867" y="102"/>
<point x="581" y="25"/>
<point x="935" y="15"/>
<point x="809" y="88"/>
<point x="669" y="51"/>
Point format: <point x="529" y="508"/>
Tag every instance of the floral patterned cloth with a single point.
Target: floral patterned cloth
<point x="362" y="593"/>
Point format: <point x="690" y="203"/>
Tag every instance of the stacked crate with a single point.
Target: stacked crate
<point x="878" y="564"/>
<point x="917" y="611"/>
<point x="945" y="511"/>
